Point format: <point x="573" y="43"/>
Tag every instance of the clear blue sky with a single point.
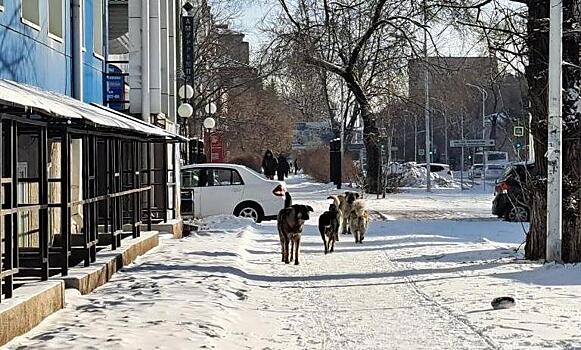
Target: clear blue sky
<point x="250" y="18"/>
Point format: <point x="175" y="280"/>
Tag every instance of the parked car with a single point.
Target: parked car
<point x="443" y="170"/>
<point x="510" y="196"/>
<point x="494" y="171"/>
<point x="475" y="171"/>
<point x="217" y="189"/>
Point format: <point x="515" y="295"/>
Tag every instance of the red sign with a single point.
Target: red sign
<point x="217" y="148"/>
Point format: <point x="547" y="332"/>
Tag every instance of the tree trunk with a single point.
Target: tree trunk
<point x="571" y="249"/>
<point x="537" y="78"/>
<point x="370" y="134"/>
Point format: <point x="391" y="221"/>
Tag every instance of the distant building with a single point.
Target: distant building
<point x="312" y="135"/>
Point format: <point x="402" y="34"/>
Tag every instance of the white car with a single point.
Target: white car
<point x="493" y="171"/>
<point x="443" y="170"/>
<point x="226" y="189"/>
<point x="475" y="171"/>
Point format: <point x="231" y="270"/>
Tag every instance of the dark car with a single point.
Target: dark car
<point x="510" y="194"/>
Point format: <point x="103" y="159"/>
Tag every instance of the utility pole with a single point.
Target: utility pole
<point x="415" y="138"/>
<point x="427" y="102"/>
<point x="446" y="137"/>
<point x="462" y="162"/>
<point x="554" y="154"/>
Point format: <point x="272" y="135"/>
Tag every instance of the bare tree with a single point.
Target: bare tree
<point x="520" y="34"/>
<point x="365" y="45"/>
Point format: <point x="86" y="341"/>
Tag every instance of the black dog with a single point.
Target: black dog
<point x="329" y="227"/>
<point x="290" y="223"/>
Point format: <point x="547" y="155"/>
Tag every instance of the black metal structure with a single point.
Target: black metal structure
<point x="44" y="230"/>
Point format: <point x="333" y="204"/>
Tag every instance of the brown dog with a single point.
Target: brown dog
<point x="290" y="224"/>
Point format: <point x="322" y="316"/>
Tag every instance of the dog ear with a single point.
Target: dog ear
<point x="357" y="195"/>
<point x="309" y="208"/>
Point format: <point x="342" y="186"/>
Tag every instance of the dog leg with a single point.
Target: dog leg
<point x="297" y="243"/>
<point x="292" y="248"/>
<point x="286" y="252"/>
<point x="282" y="246"/>
<point x="332" y="242"/>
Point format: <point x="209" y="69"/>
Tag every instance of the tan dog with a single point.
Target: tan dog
<point x="346" y="202"/>
<point x="359" y="220"/>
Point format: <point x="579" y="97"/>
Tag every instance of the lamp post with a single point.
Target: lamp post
<point x="484" y="97"/>
<point x="209" y="124"/>
<point x="484" y="155"/>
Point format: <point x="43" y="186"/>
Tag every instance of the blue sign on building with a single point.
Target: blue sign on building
<point x="115" y="88"/>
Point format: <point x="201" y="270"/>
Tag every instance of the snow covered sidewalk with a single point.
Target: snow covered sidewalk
<point x="413" y="284"/>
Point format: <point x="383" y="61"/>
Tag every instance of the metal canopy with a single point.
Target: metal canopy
<point x="61" y="106"/>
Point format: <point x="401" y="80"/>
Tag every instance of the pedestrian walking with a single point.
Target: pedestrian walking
<point x="269" y="165"/>
<point x="283" y="168"/>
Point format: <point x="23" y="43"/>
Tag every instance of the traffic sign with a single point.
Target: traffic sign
<point x="472" y="143"/>
<point x="519" y="131"/>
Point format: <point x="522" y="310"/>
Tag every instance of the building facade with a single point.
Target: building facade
<point x="75" y="175"/>
<point x="36" y="41"/>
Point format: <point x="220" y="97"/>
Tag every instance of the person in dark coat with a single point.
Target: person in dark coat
<point x="296" y="166"/>
<point x="283" y="167"/>
<point x="269" y="165"/>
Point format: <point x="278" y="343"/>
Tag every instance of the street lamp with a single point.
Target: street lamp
<point x="209" y="124"/>
<point x="484" y="97"/>
<point x="185" y="110"/>
<point x="484" y="155"/>
<point x="186" y="92"/>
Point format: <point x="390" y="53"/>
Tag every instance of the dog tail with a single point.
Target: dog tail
<point x="335" y="200"/>
<point x="288" y="200"/>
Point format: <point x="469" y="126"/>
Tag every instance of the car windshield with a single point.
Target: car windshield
<point x="496" y="156"/>
<point x="495" y="167"/>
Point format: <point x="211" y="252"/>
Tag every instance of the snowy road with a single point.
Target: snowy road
<point x="413" y="284"/>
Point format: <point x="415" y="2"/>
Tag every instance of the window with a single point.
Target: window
<point x="31" y="13"/>
<point x="210" y="177"/>
<point x="55" y="18"/>
<point x="190" y="178"/>
<point x="226" y="177"/>
<point x="98" y="27"/>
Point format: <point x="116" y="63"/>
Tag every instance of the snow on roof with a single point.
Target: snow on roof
<point x="58" y="105"/>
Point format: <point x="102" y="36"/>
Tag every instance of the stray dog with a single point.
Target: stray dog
<point x="329" y="225"/>
<point x="359" y="220"/>
<point x="290" y="223"/>
<point x="346" y="202"/>
<point x="340" y="216"/>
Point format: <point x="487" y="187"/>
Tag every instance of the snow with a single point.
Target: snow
<point x="424" y="278"/>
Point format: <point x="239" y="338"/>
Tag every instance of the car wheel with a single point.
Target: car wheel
<point x="250" y="210"/>
<point x="517" y="214"/>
